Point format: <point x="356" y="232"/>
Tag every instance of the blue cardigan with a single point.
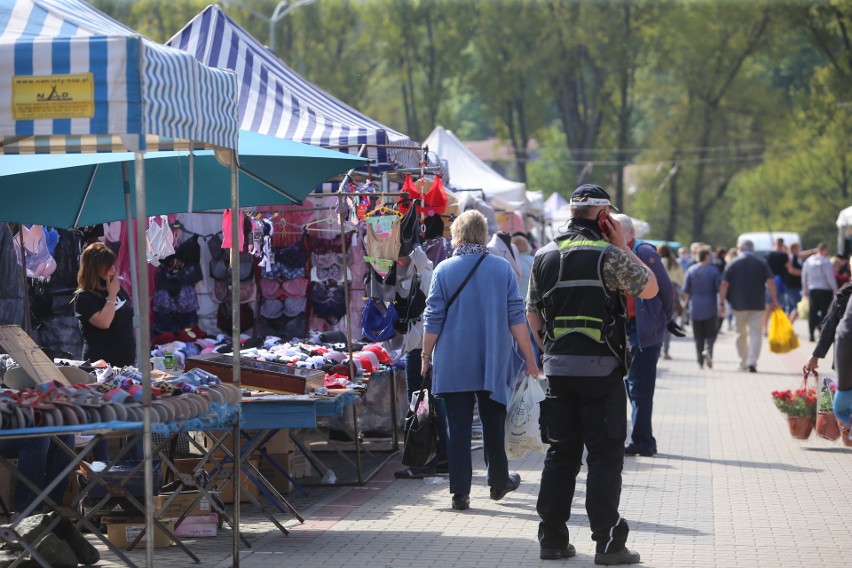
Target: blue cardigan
<point x="475" y="348"/>
<point x="653" y="315"/>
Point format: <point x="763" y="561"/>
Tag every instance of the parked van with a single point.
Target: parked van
<point x="765" y="242"/>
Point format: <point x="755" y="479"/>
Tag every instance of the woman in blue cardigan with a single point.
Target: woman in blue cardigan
<point x="472" y="326"/>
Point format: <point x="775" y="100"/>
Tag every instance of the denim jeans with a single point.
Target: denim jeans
<point x="641" y="381"/>
<point x="492" y="415"/>
<point x="40" y="461"/>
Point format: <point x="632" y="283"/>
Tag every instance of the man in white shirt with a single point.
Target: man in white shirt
<point x="819" y="286"/>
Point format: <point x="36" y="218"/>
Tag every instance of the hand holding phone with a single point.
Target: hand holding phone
<point x="611" y="230"/>
<point x="113" y="286"/>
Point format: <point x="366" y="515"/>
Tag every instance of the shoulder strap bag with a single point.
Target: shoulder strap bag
<point x="464" y="283"/>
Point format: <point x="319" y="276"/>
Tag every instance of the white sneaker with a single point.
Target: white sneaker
<point x="707" y="359"/>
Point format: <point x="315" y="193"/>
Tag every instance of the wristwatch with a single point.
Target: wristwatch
<point x="426" y="357"/>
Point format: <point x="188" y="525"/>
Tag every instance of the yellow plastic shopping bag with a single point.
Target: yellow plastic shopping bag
<point x="782" y="338"/>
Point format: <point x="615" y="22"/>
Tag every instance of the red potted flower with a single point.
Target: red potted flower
<point x="800" y="406"/>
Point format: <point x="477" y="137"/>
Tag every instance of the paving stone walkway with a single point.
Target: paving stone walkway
<point x="729" y="487"/>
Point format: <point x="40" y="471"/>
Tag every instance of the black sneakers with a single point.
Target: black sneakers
<point x="498" y="493"/>
<point x="461" y="502"/>
<point x="622" y="556"/>
<point x="557" y="553"/>
<point x="633" y="450"/>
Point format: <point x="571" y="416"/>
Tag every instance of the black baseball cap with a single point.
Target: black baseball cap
<point x="591" y="195"/>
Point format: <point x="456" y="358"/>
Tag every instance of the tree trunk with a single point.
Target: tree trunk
<point x="671" y="221"/>
<point x="698" y="183"/>
<point x="625" y="112"/>
<point x="521" y="156"/>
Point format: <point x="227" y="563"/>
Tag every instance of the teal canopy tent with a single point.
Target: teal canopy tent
<point x="73" y="190"/>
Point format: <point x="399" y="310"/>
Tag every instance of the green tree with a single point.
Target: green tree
<point x="510" y="60"/>
<point x="806" y="178"/>
<point x="422" y="45"/>
<point x="154" y="19"/>
<point x="714" y="109"/>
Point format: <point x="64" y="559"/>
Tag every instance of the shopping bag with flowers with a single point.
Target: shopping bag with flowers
<point x="800" y="406"/>
<point x="826" y="424"/>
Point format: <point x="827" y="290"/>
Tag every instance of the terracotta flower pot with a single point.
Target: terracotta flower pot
<point x="844" y="435"/>
<point x="800" y="427"/>
<point x="826" y="426"/>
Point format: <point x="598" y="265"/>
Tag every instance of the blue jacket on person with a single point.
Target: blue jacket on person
<point x="653" y="315"/>
<point x="475" y="349"/>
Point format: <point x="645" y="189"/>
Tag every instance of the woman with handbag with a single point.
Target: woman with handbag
<point x="473" y="319"/>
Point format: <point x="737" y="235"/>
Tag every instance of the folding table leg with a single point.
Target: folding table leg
<point x="72" y="512"/>
<point x="255" y="477"/>
<point x="260" y="481"/>
<point x="187" y="480"/>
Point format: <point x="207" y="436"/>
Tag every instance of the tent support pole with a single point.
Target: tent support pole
<point x="26" y="287"/>
<point x="131" y="245"/>
<point x="143" y="357"/>
<point x="347" y="297"/>
<point x="236" y="230"/>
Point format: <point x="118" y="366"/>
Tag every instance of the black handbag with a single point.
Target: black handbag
<point x="421" y="428"/>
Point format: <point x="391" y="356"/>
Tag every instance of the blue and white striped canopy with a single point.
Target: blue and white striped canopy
<point x="75" y="80"/>
<point x="277" y="101"/>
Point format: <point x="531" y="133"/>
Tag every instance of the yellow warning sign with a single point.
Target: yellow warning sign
<point x="47" y="97"/>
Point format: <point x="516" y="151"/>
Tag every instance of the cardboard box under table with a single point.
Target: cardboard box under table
<point x="122" y="532"/>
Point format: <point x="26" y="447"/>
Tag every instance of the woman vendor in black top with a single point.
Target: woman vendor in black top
<point x="103" y="308"/>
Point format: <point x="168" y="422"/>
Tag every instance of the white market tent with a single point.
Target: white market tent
<point x="77" y="81"/>
<point x="553" y="205"/>
<point x="844" y="219"/>
<point x="277" y="101"/>
<point x="466" y="171"/>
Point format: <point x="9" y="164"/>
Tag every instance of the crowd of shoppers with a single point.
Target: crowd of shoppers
<point x="600" y="308"/>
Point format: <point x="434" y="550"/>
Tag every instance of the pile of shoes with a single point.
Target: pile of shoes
<point x="116" y="397"/>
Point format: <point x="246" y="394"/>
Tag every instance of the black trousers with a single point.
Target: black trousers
<point x="820" y="302"/>
<point x="582" y="411"/>
<point x="705" y="332"/>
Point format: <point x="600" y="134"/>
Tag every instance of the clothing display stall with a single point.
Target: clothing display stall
<point x="198" y="106"/>
<point x="291" y="271"/>
<point x="85" y="52"/>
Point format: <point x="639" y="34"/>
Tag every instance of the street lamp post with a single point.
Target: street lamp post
<point x="281" y="10"/>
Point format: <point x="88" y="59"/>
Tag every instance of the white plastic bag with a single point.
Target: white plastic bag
<point x="523" y="433"/>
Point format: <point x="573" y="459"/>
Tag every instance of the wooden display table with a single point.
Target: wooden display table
<point x="264" y="375"/>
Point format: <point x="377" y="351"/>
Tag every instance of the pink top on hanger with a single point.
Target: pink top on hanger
<point x="226" y="230"/>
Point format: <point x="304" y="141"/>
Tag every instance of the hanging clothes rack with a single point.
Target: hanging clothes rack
<point x="341" y="196"/>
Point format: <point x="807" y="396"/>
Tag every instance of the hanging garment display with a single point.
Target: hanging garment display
<point x="160" y="240"/>
<point x="386" y="247"/>
<point x="39" y="261"/>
